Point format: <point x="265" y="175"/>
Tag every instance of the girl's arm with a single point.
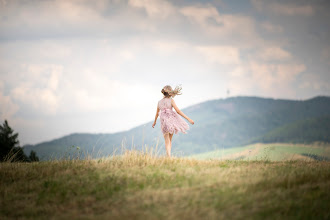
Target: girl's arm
<point x="153" y="125"/>
<point x="180" y="112"/>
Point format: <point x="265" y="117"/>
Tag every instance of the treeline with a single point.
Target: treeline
<point x="10" y="150"/>
<point x="302" y="131"/>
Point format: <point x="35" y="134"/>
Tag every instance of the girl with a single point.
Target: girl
<point x="170" y="121"/>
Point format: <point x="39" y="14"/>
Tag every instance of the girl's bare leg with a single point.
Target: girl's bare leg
<point x="171" y="135"/>
<point x="167" y="144"/>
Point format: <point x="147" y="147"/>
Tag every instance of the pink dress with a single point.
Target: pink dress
<point x="171" y="121"/>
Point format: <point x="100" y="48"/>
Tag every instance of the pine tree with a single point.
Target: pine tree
<point x="9" y="145"/>
<point x="33" y="156"/>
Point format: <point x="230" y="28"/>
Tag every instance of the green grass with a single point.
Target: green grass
<point x="221" y="153"/>
<point x="277" y="152"/>
<point x="272" y="152"/>
<point x="142" y="186"/>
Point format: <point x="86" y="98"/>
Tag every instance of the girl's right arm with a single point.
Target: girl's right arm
<point x="157" y="112"/>
<point x="181" y="113"/>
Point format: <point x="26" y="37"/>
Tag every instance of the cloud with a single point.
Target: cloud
<point x="94" y="63"/>
<point x="264" y="78"/>
<point x="275" y="74"/>
<point x="66" y="19"/>
<point x="226" y="55"/>
<point x="92" y="69"/>
<point x="273" y="54"/>
<point x="37" y="88"/>
<point x="8" y="107"/>
<point x="97" y="19"/>
<point x="305" y="10"/>
<point x="90" y="91"/>
<point x="42" y="100"/>
<point x="272" y="27"/>
<point x="233" y="29"/>
<point x="167" y="47"/>
<point x="313" y="81"/>
<point x="287" y="9"/>
<point x="154" y="8"/>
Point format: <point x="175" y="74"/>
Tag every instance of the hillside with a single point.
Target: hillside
<point x="270" y="152"/>
<point x="305" y="130"/>
<point x="140" y="186"/>
<point x="221" y="123"/>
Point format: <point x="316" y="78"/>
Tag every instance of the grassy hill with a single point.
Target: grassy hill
<point x="271" y="152"/>
<point x="141" y="186"/>
<point x="222" y="123"/>
<point x="305" y="130"/>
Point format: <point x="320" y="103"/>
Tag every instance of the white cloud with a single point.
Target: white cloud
<point x="127" y="55"/>
<point x="313" y="81"/>
<point x="288" y="9"/>
<point x="51" y="50"/>
<point x="90" y="91"/>
<point x="220" y="54"/>
<point x="273" y="54"/>
<point x="154" y="8"/>
<point x="272" y="27"/>
<point x="274" y="80"/>
<point x="201" y="14"/>
<point x="53" y="13"/>
<point x="237" y="29"/>
<point x="8" y="106"/>
<point x="67" y="19"/>
<point x="38" y="88"/>
<point x="305" y="10"/>
<point x="269" y="75"/>
<point x="168" y="47"/>
<point x="238" y="71"/>
<point x="42" y="100"/>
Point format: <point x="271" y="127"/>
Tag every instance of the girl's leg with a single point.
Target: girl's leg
<point x="167" y="144"/>
<point x="171" y="135"/>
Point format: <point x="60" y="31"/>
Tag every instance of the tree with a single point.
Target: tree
<point x="33" y="156"/>
<point x="9" y="145"/>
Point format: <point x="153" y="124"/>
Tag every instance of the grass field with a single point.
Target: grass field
<point x="272" y="152"/>
<point x="141" y="186"/>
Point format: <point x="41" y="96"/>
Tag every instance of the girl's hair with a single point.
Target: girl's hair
<point x="169" y="92"/>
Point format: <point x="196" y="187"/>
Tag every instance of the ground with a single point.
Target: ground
<point x="142" y="186"/>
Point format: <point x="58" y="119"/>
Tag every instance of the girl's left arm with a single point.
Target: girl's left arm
<point x="157" y="112"/>
<point x="181" y="113"/>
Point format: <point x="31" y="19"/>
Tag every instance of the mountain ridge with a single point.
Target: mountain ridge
<point x="229" y="122"/>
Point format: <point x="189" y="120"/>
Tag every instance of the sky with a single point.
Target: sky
<point x="70" y="66"/>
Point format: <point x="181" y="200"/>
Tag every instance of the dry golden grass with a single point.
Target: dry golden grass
<point x="140" y="185"/>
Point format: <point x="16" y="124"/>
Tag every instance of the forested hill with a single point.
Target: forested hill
<point x="219" y="123"/>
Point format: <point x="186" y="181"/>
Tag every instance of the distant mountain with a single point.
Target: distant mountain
<point x="307" y="130"/>
<point x="219" y="123"/>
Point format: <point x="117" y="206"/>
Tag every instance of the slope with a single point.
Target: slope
<point x="230" y="122"/>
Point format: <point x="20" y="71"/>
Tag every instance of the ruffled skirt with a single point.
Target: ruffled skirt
<point x="171" y="122"/>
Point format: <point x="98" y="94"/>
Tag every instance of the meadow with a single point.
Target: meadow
<point x="141" y="185"/>
<point x="271" y="152"/>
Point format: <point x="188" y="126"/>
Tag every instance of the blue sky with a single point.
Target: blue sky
<point x="98" y="66"/>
